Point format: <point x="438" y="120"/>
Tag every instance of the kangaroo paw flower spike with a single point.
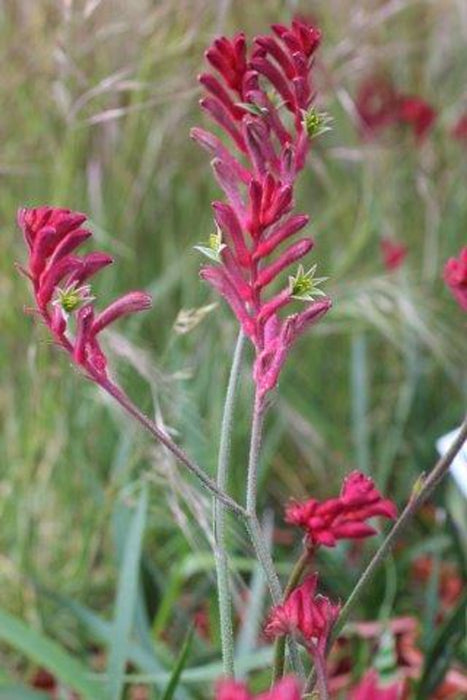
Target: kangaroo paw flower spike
<point x="455" y="276"/>
<point x="60" y="281"/>
<point x="287" y="689"/>
<point x="261" y="98"/>
<point x="343" y="517"/>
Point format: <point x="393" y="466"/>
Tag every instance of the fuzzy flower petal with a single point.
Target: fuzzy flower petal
<point x="58" y="274"/>
<point x="344" y="517"/>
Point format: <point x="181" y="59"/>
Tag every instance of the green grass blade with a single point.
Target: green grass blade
<point x="169" y="692"/>
<point x="442" y="650"/>
<point x="126" y="600"/>
<point x="45" y="652"/>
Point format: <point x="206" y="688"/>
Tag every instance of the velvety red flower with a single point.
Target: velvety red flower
<point x="343" y="517"/>
<point x="417" y="113"/>
<point x="376" y="104"/>
<point x="393" y="252"/>
<point x="455" y="276"/>
<point x="459" y="131"/>
<point x="60" y="280"/>
<point x="372" y="688"/>
<point x="286" y="689"/>
<point x="304" y="614"/>
<point x="261" y="99"/>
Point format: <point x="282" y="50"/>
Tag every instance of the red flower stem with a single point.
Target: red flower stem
<point x="160" y="435"/>
<point x="279" y="646"/>
<point x="253" y="525"/>
<point x="418" y="498"/>
<point x="220" y="550"/>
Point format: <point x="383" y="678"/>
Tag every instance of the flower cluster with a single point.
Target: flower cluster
<point x="343" y="517"/>
<point x="304" y="614"/>
<point x="379" y="105"/>
<point x="455" y="276"/>
<point x="286" y="689"/>
<point x="60" y="281"/>
<point x="262" y="100"/>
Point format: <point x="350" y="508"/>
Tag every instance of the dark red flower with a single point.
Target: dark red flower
<point x="372" y="688"/>
<point x="343" y="517"/>
<point x="376" y="104"/>
<point x="249" y="100"/>
<point x="304" y="614"/>
<point x="60" y="280"/>
<point x="417" y="113"/>
<point x="286" y="689"/>
<point x="459" y="131"/>
<point x="379" y="105"/>
<point x="393" y="252"/>
<point x="455" y="276"/>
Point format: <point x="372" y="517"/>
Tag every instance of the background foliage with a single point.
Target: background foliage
<point x="97" y="102"/>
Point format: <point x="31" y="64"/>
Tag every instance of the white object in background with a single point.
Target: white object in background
<point x="459" y="465"/>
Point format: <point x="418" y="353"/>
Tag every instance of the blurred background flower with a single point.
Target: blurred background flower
<point x="98" y="100"/>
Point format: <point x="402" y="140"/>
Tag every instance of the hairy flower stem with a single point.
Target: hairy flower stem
<point x="253" y="461"/>
<point x="319" y="663"/>
<point x="420" y="494"/>
<point x="279" y="646"/>
<point x="125" y="402"/>
<point x="222" y="568"/>
<point x="264" y="557"/>
<point x="252" y="522"/>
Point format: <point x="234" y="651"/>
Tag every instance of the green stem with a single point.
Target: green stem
<point x="419" y="496"/>
<point x="264" y="557"/>
<point x="219" y="515"/>
<point x="253" y="460"/>
<point x="252" y="523"/>
<point x="319" y="664"/>
<point x="279" y="646"/>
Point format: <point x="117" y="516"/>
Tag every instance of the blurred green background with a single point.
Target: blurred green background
<point x="97" y="102"/>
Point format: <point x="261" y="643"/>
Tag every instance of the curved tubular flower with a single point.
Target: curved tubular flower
<point x="262" y="100"/>
<point x="305" y="615"/>
<point x="60" y="281"/>
<point x="417" y="113"/>
<point x="455" y="276"/>
<point x="286" y="689"/>
<point x="343" y="517"/>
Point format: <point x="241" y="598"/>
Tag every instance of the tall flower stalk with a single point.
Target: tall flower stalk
<point x="261" y="98"/>
<point x="65" y="303"/>
<point x="221" y="557"/>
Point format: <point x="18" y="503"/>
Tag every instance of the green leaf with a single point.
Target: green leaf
<point x="125" y="604"/>
<point x="179" y="666"/>
<point x="45" y="652"/>
<point x="439" y="655"/>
